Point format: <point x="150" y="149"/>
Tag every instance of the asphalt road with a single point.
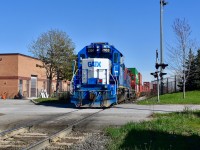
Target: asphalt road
<point x="14" y="112"/>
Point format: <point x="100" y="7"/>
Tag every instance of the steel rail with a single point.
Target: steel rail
<point x="62" y="133"/>
<point x="28" y="126"/>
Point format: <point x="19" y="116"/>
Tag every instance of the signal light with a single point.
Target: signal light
<point x="157" y="65"/>
<point x="162" y="74"/>
<point x="163" y="2"/>
<point x="155" y="74"/>
<point x="163" y="65"/>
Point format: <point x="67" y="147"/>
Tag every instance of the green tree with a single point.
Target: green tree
<point x="56" y="50"/>
<point x="191" y="72"/>
<point x="197" y="73"/>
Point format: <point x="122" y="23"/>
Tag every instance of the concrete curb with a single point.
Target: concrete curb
<point x="33" y="101"/>
<point x="141" y="98"/>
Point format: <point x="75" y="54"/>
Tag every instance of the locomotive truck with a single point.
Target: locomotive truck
<point x="101" y="78"/>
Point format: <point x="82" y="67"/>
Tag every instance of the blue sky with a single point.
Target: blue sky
<point x="132" y="26"/>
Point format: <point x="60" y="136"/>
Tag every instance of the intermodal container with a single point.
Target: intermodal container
<point x="140" y="78"/>
<point x="134" y="73"/>
<point x="146" y="87"/>
<point x="140" y="88"/>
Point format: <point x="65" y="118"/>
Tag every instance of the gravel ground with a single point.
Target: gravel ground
<point x="94" y="141"/>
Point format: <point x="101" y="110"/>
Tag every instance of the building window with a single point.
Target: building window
<point x="21" y="86"/>
<point x="44" y="85"/>
<point x="33" y="86"/>
<point x="27" y="88"/>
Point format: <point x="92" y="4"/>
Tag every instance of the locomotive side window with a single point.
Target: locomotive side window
<point x="123" y="66"/>
<point x="115" y="57"/>
<point x="82" y="56"/>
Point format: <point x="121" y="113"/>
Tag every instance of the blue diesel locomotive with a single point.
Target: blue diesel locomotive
<point x="101" y="79"/>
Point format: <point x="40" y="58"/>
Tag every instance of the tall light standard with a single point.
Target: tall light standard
<point x="162" y="4"/>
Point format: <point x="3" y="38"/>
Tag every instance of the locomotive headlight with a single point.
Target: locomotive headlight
<point x="97" y="48"/>
<point x="78" y="86"/>
<point x="106" y="50"/>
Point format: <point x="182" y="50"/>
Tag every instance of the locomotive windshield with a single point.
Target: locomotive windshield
<point x="92" y="55"/>
<point x="100" y="55"/>
<point x="105" y="55"/>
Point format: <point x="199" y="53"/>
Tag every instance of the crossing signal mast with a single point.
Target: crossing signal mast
<point x="158" y="74"/>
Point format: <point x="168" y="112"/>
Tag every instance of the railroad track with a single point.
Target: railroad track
<point x="30" y="123"/>
<point x="35" y="137"/>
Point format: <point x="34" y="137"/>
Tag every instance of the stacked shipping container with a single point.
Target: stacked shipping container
<point x="140" y="82"/>
<point x="134" y="80"/>
<point x="146" y="87"/>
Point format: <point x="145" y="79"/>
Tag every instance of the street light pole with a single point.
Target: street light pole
<point x="161" y="32"/>
<point x="162" y="4"/>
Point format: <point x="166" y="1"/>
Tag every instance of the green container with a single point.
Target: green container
<point x="135" y="73"/>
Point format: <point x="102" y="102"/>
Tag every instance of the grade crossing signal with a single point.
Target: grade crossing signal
<point x="155" y="74"/>
<point x="157" y="65"/>
<point x="161" y="65"/>
<point x="162" y="74"/>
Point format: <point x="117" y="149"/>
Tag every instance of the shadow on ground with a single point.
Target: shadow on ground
<point x="60" y="104"/>
<point x="156" y="140"/>
<point x="150" y="108"/>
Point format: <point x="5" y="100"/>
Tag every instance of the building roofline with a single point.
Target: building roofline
<point x="2" y="54"/>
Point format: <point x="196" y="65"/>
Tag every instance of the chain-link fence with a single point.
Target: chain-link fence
<point x="170" y="85"/>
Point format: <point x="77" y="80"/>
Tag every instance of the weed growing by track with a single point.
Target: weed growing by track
<point x="166" y="131"/>
<point x="47" y="100"/>
<point x="192" y="97"/>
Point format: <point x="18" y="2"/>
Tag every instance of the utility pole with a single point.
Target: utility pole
<point x="162" y="4"/>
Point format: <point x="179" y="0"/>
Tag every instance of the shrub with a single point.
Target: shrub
<point x="64" y="96"/>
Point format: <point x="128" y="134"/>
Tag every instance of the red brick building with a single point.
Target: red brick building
<point x="18" y="73"/>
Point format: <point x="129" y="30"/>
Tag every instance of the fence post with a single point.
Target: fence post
<point x="167" y="86"/>
<point x="175" y="83"/>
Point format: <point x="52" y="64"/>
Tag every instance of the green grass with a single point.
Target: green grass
<point x="175" y="131"/>
<point x="192" y="97"/>
<point x="62" y="98"/>
<point x="47" y="100"/>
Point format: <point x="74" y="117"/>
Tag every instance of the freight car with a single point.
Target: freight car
<point x="136" y="82"/>
<point x="101" y="78"/>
